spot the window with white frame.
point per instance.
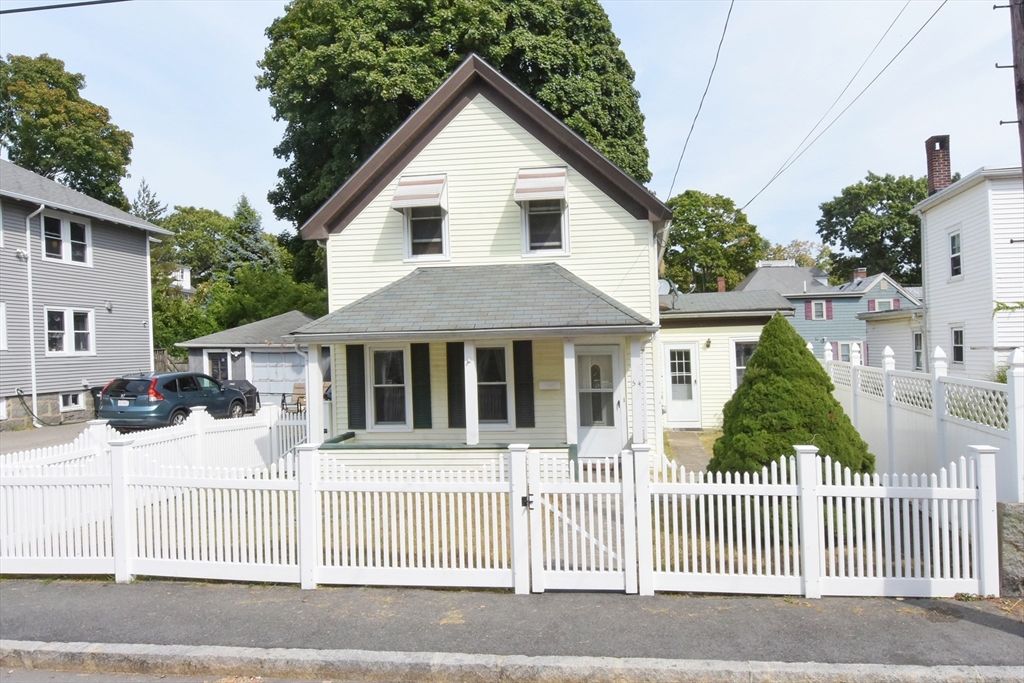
(955, 256)
(957, 343)
(390, 388)
(492, 386)
(71, 401)
(544, 226)
(918, 350)
(67, 238)
(422, 201)
(3, 326)
(846, 351)
(69, 332)
(818, 310)
(425, 230)
(883, 304)
(742, 351)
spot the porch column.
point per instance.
(569, 353)
(472, 410)
(638, 396)
(314, 395)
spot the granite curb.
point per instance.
(432, 667)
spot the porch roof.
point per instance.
(541, 299)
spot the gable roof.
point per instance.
(967, 182)
(785, 280)
(475, 77)
(724, 304)
(20, 183)
(267, 332)
(482, 300)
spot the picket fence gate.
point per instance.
(526, 521)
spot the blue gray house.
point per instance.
(75, 304)
(827, 314)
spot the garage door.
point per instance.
(275, 373)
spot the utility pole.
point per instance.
(1017, 38)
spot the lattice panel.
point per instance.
(912, 391)
(871, 381)
(841, 375)
(984, 406)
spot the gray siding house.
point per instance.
(75, 303)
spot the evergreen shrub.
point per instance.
(785, 399)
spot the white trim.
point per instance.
(3, 407)
(571, 408)
(914, 351)
(564, 250)
(3, 326)
(953, 329)
(141, 225)
(510, 399)
(469, 380)
(878, 302)
(371, 404)
(408, 256)
(65, 232)
(732, 357)
(78, 403)
(950, 233)
(69, 335)
(824, 310)
(208, 370)
(694, 347)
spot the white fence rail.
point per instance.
(918, 422)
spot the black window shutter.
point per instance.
(456, 385)
(355, 364)
(421, 417)
(522, 365)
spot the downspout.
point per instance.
(31, 313)
(661, 237)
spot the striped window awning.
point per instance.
(421, 190)
(540, 183)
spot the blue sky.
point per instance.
(180, 75)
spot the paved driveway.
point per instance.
(21, 440)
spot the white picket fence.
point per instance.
(918, 422)
(525, 520)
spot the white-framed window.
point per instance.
(918, 342)
(426, 233)
(71, 401)
(956, 341)
(69, 332)
(493, 388)
(217, 364)
(956, 266)
(545, 227)
(67, 238)
(818, 310)
(390, 388)
(883, 304)
(846, 351)
(3, 326)
(742, 350)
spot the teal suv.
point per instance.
(166, 398)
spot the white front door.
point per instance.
(602, 423)
(681, 390)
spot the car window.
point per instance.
(186, 384)
(171, 385)
(207, 383)
(128, 386)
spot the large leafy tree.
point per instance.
(47, 127)
(806, 253)
(199, 238)
(871, 221)
(710, 237)
(260, 293)
(343, 74)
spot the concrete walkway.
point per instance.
(24, 439)
(352, 632)
(687, 450)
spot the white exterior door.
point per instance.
(681, 391)
(599, 386)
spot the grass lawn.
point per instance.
(708, 438)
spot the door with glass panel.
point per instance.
(599, 386)
(682, 393)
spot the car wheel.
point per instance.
(236, 410)
(178, 417)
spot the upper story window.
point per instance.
(69, 332)
(957, 342)
(883, 304)
(541, 192)
(818, 310)
(67, 238)
(955, 256)
(423, 201)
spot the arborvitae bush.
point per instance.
(785, 399)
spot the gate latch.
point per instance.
(527, 501)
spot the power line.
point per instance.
(706, 88)
(831, 107)
(39, 8)
(845, 109)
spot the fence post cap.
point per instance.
(123, 441)
(97, 423)
(307, 447)
(938, 354)
(806, 449)
(810, 347)
(518, 447)
(198, 409)
(983, 449)
(888, 352)
(1016, 359)
(642, 447)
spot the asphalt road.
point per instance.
(832, 630)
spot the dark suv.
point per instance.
(166, 398)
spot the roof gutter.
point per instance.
(31, 313)
(668, 315)
(85, 212)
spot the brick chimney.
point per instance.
(721, 283)
(939, 173)
(858, 274)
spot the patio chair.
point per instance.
(296, 401)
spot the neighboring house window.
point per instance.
(544, 222)
(67, 239)
(69, 332)
(955, 256)
(743, 350)
(957, 342)
(883, 304)
(818, 309)
(72, 401)
(919, 351)
(3, 326)
(422, 201)
(389, 389)
(492, 386)
(844, 351)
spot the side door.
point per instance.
(599, 386)
(682, 393)
(188, 392)
(213, 395)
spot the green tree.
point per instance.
(871, 221)
(344, 74)
(806, 253)
(785, 399)
(199, 236)
(47, 127)
(260, 293)
(146, 206)
(248, 243)
(177, 319)
(709, 238)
